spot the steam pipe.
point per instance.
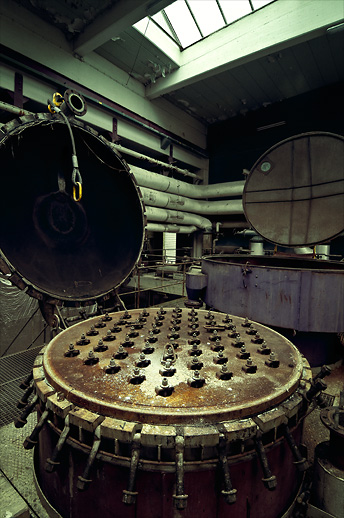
(155, 198)
(14, 109)
(175, 216)
(171, 185)
(19, 111)
(178, 229)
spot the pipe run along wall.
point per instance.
(155, 198)
(175, 216)
(165, 227)
(171, 185)
(166, 201)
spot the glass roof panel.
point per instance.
(183, 23)
(188, 21)
(257, 4)
(208, 15)
(160, 19)
(235, 9)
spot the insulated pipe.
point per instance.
(154, 161)
(155, 198)
(175, 216)
(13, 109)
(20, 111)
(165, 184)
(178, 229)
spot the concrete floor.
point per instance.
(16, 463)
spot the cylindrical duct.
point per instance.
(165, 184)
(156, 198)
(179, 229)
(175, 216)
(62, 248)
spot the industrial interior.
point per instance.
(172, 259)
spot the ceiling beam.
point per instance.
(111, 23)
(278, 25)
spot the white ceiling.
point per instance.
(307, 57)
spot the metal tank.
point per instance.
(293, 196)
(161, 413)
(169, 412)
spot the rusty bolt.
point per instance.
(249, 362)
(164, 382)
(272, 356)
(224, 368)
(91, 354)
(112, 362)
(71, 347)
(243, 349)
(142, 356)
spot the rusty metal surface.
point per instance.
(244, 394)
(305, 295)
(294, 194)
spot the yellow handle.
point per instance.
(75, 197)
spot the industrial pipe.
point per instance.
(155, 198)
(13, 109)
(154, 161)
(165, 184)
(19, 111)
(178, 229)
(175, 216)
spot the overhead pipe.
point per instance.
(14, 109)
(155, 198)
(178, 229)
(175, 216)
(170, 167)
(171, 185)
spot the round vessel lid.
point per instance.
(294, 194)
(165, 366)
(53, 245)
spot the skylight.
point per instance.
(188, 21)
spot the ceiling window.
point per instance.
(188, 21)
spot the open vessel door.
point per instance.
(294, 194)
(59, 247)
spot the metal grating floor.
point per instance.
(14, 368)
